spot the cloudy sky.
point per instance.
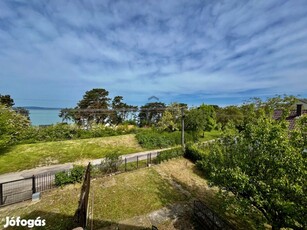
(217, 52)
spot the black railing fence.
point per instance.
(15, 191)
(12, 192)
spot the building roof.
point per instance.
(303, 100)
(291, 118)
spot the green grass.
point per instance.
(26, 156)
(210, 135)
(115, 198)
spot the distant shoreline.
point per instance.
(39, 108)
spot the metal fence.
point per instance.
(12, 192)
(207, 219)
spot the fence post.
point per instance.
(125, 164)
(1, 194)
(137, 162)
(150, 158)
(33, 184)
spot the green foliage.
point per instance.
(6, 100)
(171, 119)
(199, 119)
(151, 113)
(169, 154)
(152, 139)
(264, 166)
(111, 163)
(230, 114)
(193, 152)
(119, 115)
(64, 131)
(12, 126)
(75, 175)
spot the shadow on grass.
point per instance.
(6, 150)
(56, 221)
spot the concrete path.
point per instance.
(62, 167)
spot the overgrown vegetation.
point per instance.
(153, 139)
(73, 176)
(262, 164)
(60, 132)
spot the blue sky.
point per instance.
(217, 52)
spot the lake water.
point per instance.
(44, 117)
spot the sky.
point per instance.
(216, 52)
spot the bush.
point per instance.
(111, 163)
(63, 131)
(152, 139)
(194, 153)
(62, 178)
(70, 177)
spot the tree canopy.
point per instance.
(12, 126)
(151, 113)
(6, 100)
(265, 166)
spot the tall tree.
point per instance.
(6, 100)
(121, 110)
(87, 109)
(151, 113)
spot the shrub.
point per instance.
(111, 163)
(62, 178)
(75, 175)
(153, 139)
(194, 153)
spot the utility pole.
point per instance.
(182, 129)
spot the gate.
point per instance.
(16, 191)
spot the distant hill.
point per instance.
(39, 108)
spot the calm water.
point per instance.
(44, 117)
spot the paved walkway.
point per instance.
(61, 167)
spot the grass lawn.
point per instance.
(115, 198)
(121, 198)
(26, 156)
(210, 135)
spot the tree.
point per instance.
(24, 112)
(151, 113)
(6, 100)
(12, 126)
(87, 109)
(264, 166)
(121, 110)
(199, 119)
(229, 114)
(171, 119)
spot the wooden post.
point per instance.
(1, 194)
(125, 164)
(182, 129)
(33, 185)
